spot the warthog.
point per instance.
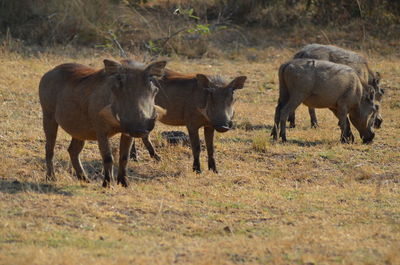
(323, 84)
(196, 101)
(92, 104)
(341, 56)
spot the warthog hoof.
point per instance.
(347, 139)
(283, 136)
(134, 156)
(122, 180)
(212, 166)
(274, 133)
(314, 125)
(196, 168)
(83, 178)
(51, 177)
(292, 125)
(106, 184)
(157, 157)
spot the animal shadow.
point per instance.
(16, 186)
(306, 143)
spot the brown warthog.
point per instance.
(196, 101)
(323, 84)
(342, 56)
(92, 104)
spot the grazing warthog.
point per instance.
(196, 101)
(341, 56)
(323, 84)
(92, 104)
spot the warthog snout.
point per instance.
(368, 139)
(224, 128)
(138, 133)
(136, 130)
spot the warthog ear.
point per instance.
(376, 79)
(111, 67)
(203, 84)
(238, 82)
(156, 68)
(107, 114)
(203, 81)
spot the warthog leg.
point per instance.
(74, 150)
(344, 124)
(133, 153)
(150, 148)
(274, 132)
(313, 117)
(50, 127)
(124, 149)
(105, 151)
(209, 137)
(292, 120)
(287, 109)
(348, 133)
(378, 120)
(195, 144)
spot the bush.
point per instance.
(192, 28)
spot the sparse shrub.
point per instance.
(261, 142)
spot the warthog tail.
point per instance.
(283, 89)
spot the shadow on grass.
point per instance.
(303, 143)
(94, 172)
(15, 186)
(134, 176)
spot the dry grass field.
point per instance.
(309, 201)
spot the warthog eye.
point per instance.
(119, 80)
(154, 84)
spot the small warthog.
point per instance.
(342, 56)
(323, 84)
(196, 101)
(92, 104)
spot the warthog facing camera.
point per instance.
(92, 104)
(196, 101)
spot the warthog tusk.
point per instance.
(160, 112)
(106, 114)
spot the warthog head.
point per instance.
(363, 118)
(133, 92)
(374, 80)
(216, 100)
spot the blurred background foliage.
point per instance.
(198, 28)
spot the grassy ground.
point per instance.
(309, 201)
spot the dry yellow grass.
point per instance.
(309, 201)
